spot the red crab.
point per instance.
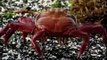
(53, 23)
(24, 24)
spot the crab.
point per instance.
(53, 23)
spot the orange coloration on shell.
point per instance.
(55, 21)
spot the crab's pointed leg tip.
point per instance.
(0, 30)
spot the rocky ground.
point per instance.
(16, 50)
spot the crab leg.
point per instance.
(24, 35)
(78, 33)
(35, 45)
(4, 30)
(99, 29)
(95, 28)
(7, 35)
(103, 32)
(62, 40)
(11, 27)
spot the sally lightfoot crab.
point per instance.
(53, 23)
